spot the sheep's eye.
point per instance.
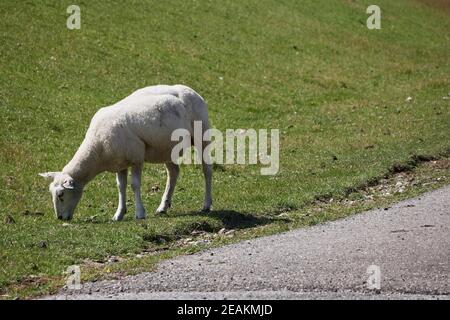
(60, 197)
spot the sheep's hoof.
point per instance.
(141, 215)
(163, 208)
(118, 216)
(206, 210)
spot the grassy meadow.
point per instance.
(336, 90)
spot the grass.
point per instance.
(312, 69)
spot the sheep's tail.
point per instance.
(196, 105)
(198, 108)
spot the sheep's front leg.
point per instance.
(173, 170)
(136, 173)
(122, 186)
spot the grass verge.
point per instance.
(424, 175)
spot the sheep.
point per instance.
(127, 134)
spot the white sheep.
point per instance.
(135, 130)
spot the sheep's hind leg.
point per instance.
(173, 170)
(136, 173)
(207, 172)
(122, 186)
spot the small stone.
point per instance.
(409, 99)
(113, 259)
(43, 244)
(197, 233)
(230, 232)
(200, 242)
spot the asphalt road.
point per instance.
(409, 243)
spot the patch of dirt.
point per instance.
(32, 213)
(9, 219)
(30, 281)
(9, 180)
(89, 263)
(204, 238)
(442, 164)
(401, 179)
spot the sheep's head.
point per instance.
(66, 193)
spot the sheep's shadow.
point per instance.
(230, 219)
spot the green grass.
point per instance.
(312, 69)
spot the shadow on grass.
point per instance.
(210, 222)
(230, 219)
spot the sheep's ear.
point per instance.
(49, 175)
(68, 184)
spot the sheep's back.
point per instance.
(140, 128)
